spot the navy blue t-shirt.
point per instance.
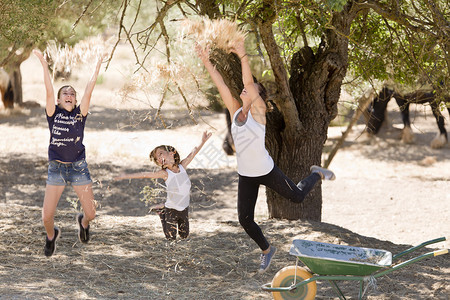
(66, 135)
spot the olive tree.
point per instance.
(309, 49)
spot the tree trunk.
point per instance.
(304, 104)
(12, 67)
(315, 83)
(294, 155)
(16, 82)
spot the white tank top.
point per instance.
(253, 160)
(178, 189)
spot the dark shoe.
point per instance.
(324, 173)
(83, 233)
(266, 259)
(50, 246)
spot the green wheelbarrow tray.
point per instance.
(331, 259)
(334, 263)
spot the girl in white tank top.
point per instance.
(174, 212)
(253, 159)
(255, 166)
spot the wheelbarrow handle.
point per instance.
(441, 239)
(268, 288)
(440, 252)
(412, 260)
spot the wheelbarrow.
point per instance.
(334, 263)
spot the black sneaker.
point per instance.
(83, 233)
(50, 246)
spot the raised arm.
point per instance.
(86, 100)
(231, 103)
(50, 93)
(158, 174)
(257, 104)
(185, 162)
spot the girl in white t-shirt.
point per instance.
(174, 212)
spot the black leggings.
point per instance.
(276, 180)
(171, 219)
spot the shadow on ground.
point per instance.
(128, 256)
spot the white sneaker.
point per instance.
(324, 173)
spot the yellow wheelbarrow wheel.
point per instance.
(285, 277)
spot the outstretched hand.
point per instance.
(37, 52)
(202, 52)
(239, 48)
(39, 55)
(206, 136)
(102, 58)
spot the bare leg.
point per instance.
(86, 196)
(51, 199)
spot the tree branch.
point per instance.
(121, 26)
(396, 16)
(284, 99)
(82, 14)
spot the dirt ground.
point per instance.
(387, 195)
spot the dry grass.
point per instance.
(156, 75)
(221, 34)
(128, 257)
(63, 58)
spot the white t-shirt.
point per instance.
(178, 189)
(249, 139)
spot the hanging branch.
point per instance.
(82, 14)
(121, 26)
(161, 102)
(153, 47)
(186, 102)
(364, 102)
(397, 16)
(166, 39)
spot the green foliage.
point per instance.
(384, 49)
(335, 5)
(23, 23)
(29, 24)
(74, 203)
(153, 194)
(22, 20)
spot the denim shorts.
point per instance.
(76, 173)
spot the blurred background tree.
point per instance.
(25, 25)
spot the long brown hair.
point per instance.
(167, 148)
(66, 86)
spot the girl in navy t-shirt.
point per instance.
(66, 155)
